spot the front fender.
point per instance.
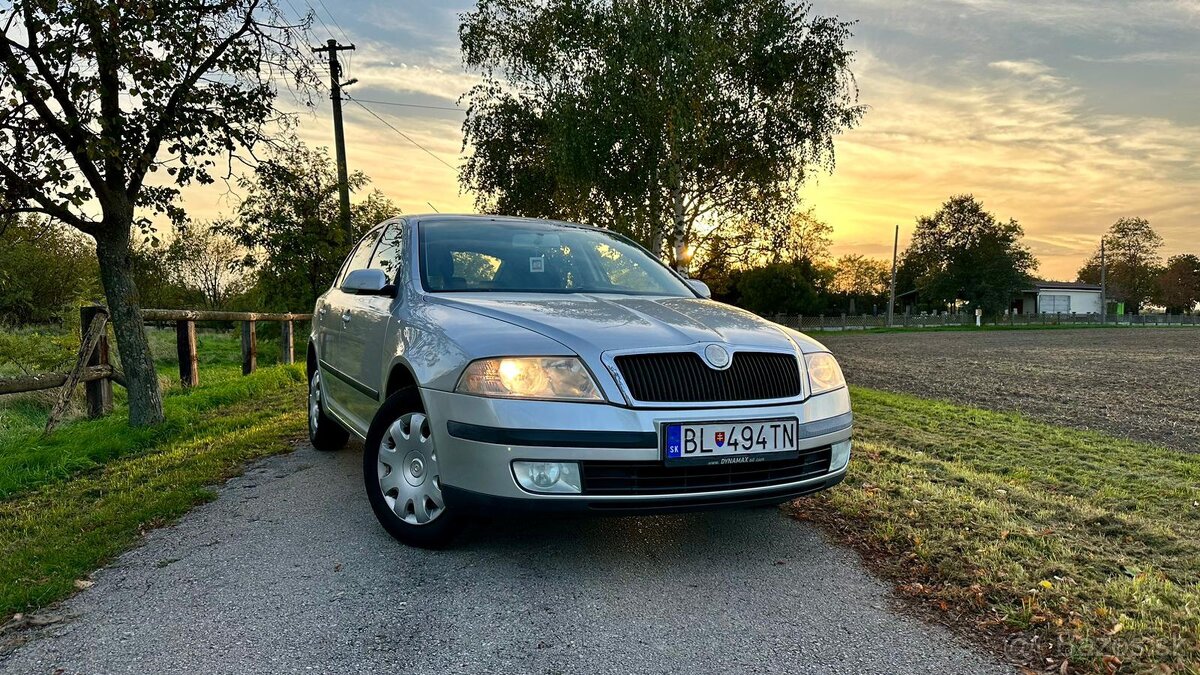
(436, 343)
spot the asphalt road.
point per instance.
(288, 572)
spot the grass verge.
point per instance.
(28, 459)
(1071, 546)
(75, 500)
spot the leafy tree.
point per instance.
(46, 270)
(1179, 284)
(1134, 262)
(779, 288)
(285, 224)
(103, 93)
(859, 275)
(208, 262)
(156, 278)
(861, 281)
(798, 237)
(962, 253)
(652, 117)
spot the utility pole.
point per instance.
(339, 135)
(892, 297)
(1103, 284)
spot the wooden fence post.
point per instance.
(185, 344)
(99, 392)
(249, 347)
(287, 348)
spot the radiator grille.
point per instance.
(684, 377)
(655, 478)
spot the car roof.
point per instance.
(474, 217)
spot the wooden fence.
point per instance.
(93, 369)
(185, 336)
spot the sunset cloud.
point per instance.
(1064, 115)
(1025, 142)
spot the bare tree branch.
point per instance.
(154, 136)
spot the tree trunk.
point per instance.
(679, 228)
(113, 252)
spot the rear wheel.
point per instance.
(400, 471)
(324, 433)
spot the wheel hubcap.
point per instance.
(408, 470)
(314, 402)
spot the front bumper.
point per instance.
(478, 439)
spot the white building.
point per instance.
(1060, 297)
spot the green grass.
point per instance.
(69, 526)
(71, 501)
(1089, 543)
(28, 459)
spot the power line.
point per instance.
(308, 35)
(317, 16)
(406, 136)
(333, 19)
(307, 25)
(413, 105)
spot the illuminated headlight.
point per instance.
(541, 377)
(840, 455)
(824, 373)
(548, 477)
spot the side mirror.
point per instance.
(700, 287)
(368, 282)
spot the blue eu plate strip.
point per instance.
(674, 447)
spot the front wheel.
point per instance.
(400, 471)
(324, 433)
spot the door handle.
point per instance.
(345, 317)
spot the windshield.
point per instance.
(480, 255)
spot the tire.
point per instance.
(324, 432)
(400, 473)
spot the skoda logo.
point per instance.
(717, 356)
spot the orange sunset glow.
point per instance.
(1064, 116)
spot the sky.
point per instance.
(1065, 115)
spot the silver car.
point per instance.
(496, 364)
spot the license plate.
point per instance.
(731, 442)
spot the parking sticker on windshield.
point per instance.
(537, 264)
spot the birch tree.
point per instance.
(652, 116)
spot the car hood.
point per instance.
(593, 324)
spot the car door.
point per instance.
(365, 333)
(336, 350)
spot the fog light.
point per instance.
(841, 455)
(548, 477)
(545, 474)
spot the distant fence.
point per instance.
(185, 336)
(839, 322)
(92, 366)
